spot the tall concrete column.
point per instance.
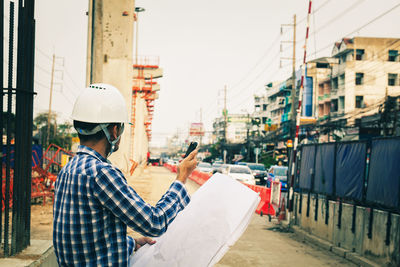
(110, 57)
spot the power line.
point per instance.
(42, 84)
(44, 54)
(72, 80)
(315, 11)
(363, 26)
(43, 69)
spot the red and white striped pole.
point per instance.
(298, 114)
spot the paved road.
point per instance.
(263, 244)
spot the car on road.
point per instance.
(216, 165)
(278, 173)
(240, 173)
(204, 167)
(259, 172)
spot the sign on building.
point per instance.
(271, 127)
(196, 129)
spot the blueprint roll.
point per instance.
(218, 214)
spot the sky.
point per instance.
(203, 46)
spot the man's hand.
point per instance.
(186, 167)
(141, 241)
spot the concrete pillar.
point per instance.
(110, 57)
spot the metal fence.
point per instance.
(16, 76)
(365, 173)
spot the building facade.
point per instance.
(237, 128)
(367, 70)
(352, 83)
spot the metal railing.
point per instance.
(16, 124)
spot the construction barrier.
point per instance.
(42, 178)
(265, 206)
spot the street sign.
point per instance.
(257, 150)
(196, 129)
(271, 127)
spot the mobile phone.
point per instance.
(191, 147)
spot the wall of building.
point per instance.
(374, 65)
(354, 238)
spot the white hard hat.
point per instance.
(100, 103)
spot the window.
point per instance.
(341, 103)
(359, 101)
(359, 78)
(360, 54)
(393, 55)
(392, 79)
(334, 105)
(264, 107)
(335, 83)
(342, 79)
(322, 65)
(264, 120)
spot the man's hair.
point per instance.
(89, 126)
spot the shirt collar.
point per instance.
(87, 150)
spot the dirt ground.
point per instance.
(262, 244)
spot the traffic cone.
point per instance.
(282, 212)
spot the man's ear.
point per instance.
(114, 132)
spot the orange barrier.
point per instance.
(264, 207)
(172, 168)
(199, 177)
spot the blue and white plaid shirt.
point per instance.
(93, 206)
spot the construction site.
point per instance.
(337, 204)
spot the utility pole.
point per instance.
(202, 128)
(293, 58)
(225, 115)
(293, 119)
(248, 136)
(51, 96)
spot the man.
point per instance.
(93, 203)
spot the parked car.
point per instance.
(215, 166)
(204, 167)
(259, 172)
(278, 173)
(240, 173)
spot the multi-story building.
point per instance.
(274, 109)
(352, 83)
(318, 70)
(236, 129)
(367, 70)
(260, 108)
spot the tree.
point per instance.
(267, 159)
(59, 135)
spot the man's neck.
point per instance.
(99, 146)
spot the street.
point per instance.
(262, 244)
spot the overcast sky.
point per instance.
(203, 46)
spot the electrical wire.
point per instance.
(363, 26)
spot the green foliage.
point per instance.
(59, 134)
(267, 159)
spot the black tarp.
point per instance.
(350, 165)
(324, 164)
(306, 166)
(384, 173)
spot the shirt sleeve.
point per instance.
(113, 192)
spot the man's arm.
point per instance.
(113, 192)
